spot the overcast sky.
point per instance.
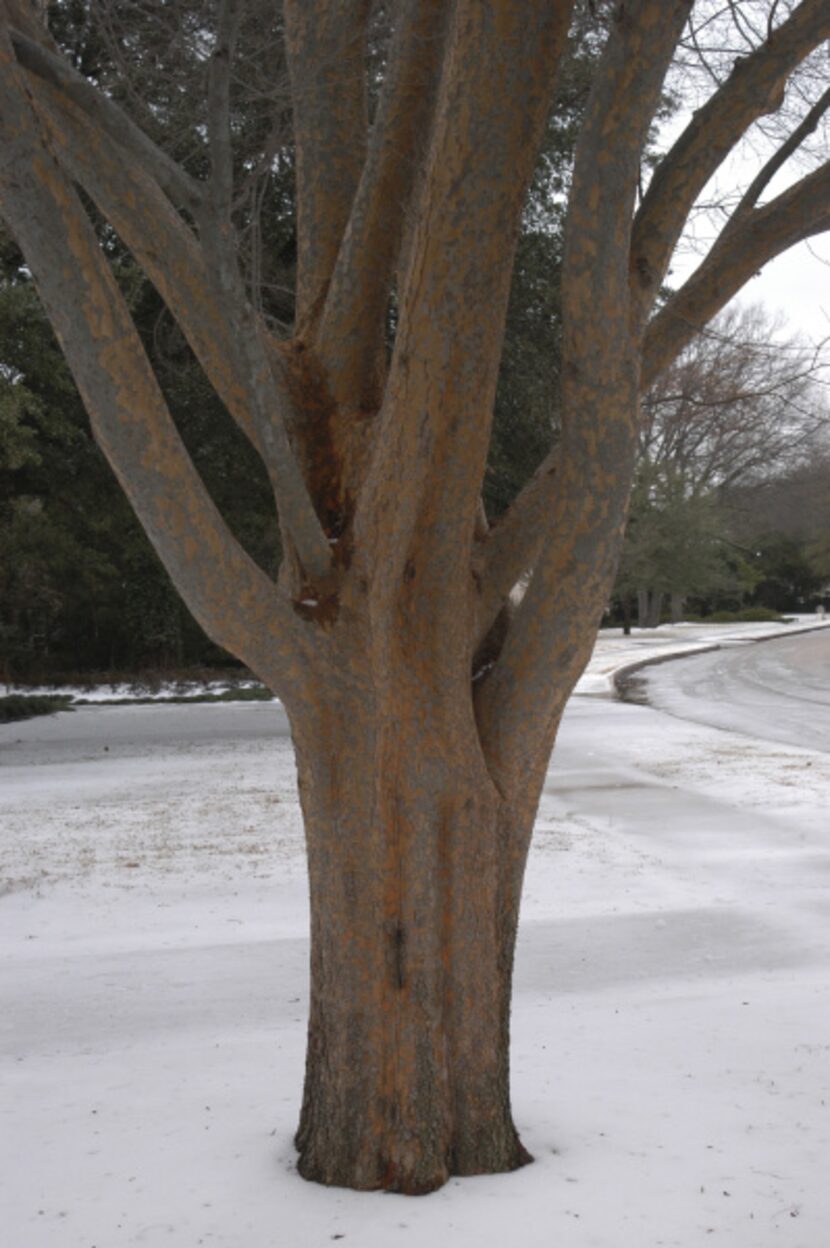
(798, 284)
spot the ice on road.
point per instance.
(778, 690)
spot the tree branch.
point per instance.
(350, 338)
(759, 184)
(230, 596)
(326, 47)
(520, 702)
(268, 395)
(158, 238)
(511, 547)
(755, 87)
(422, 493)
(219, 110)
(207, 299)
(798, 213)
(183, 190)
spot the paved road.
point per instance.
(129, 731)
(778, 690)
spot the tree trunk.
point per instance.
(678, 602)
(649, 607)
(415, 872)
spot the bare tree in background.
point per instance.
(419, 771)
(740, 403)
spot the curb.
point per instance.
(627, 687)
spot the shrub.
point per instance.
(746, 615)
(25, 706)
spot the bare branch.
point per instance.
(183, 190)
(755, 87)
(523, 697)
(798, 213)
(499, 75)
(759, 184)
(170, 255)
(268, 394)
(512, 546)
(219, 109)
(158, 238)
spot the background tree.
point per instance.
(784, 519)
(676, 547)
(419, 776)
(741, 406)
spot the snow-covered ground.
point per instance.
(671, 1028)
(613, 652)
(136, 691)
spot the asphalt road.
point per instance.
(778, 690)
(129, 731)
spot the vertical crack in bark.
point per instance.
(399, 954)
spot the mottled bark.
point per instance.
(423, 710)
(326, 47)
(231, 597)
(520, 704)
(350, 339)
(415, 865)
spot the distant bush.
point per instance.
(25, 706)
(761, 615)
(747, 615)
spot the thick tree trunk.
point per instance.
(415, 874)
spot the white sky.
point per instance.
(797, 284)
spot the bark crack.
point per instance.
(399, 947)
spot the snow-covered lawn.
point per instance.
(671, 1033)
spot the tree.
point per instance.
(674, 546)
(785, 521)
(419, 776)
(739, 406)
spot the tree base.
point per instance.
(419, 1179)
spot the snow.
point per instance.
(123, 691)
(671, 1025)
